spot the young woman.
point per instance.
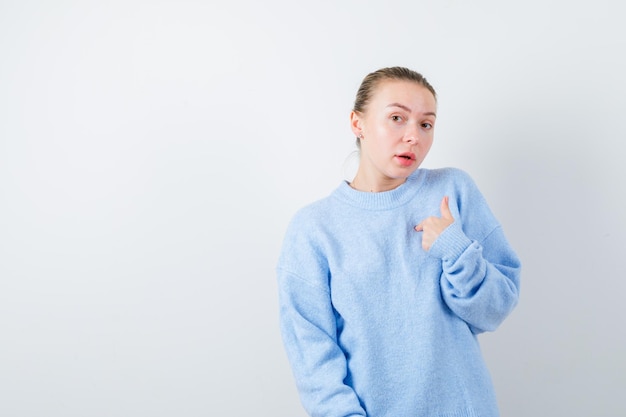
(385, 284)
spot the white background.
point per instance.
(152, 153)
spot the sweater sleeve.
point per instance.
(309, 330)
(480, 280)
(481, 272)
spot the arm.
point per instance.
(308, 328)
(308, 323)
(480, 280)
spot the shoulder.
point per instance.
(452, 179)
(302, 251)
(311, 213)
(449, 174)
(308, 223)
(463, 190)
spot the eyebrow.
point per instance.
(402, 106)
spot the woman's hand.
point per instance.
(433, 226)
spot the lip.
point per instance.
(405, 159)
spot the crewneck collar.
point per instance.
(384, 200)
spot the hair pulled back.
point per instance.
(371, 81)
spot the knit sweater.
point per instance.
(375, 326)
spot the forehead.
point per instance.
(402, 91)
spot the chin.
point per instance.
(404, 173)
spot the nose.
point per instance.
(411, 135)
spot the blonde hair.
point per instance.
(371, 81)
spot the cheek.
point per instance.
(425, 146)
(386, 128)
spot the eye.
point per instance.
(427, 125)
(396, 118)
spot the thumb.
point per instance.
(445, 209)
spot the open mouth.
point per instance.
(406, 159)
(407, 156)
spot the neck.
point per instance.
(361, 182)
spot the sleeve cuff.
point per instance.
(450, 244)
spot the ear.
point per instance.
(356, 124)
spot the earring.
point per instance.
(360, 135)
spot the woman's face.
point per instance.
(397, 127)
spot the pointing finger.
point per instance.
(445, 209)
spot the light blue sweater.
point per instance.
(375, 326)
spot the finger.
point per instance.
(419, 228)
(445, 208)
